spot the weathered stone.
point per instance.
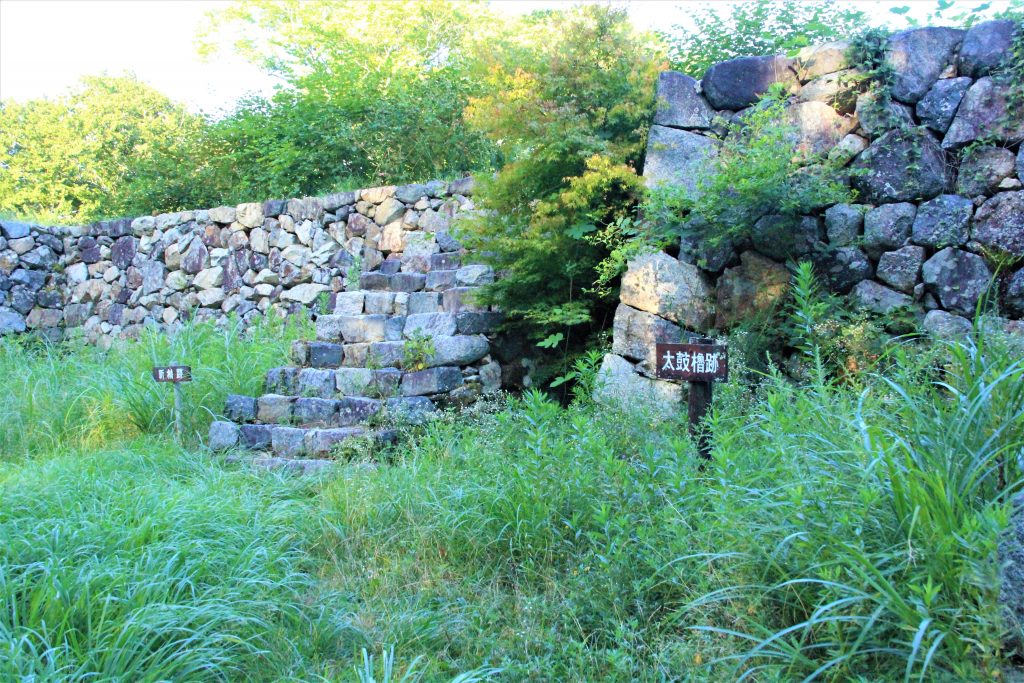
(362, 328)
(936, 109)
(754, 286)
(414, 410)
(782, 237)
(239, 408)
(837, 90)
(389, 210)
(463, 186)
(901, 268)
(430, 324)
(21, 245)
(337, 200)
(324, 441)
(458, 350)
(282, 380)
(659, 284)
(14, 230)
(379, 302)
(418, 248)
(985, 46)
(407, 282)
(357, 410)
(325, 354)
(634, 334)
(983, 168)
(431, 381)
(349, 303)
(152, 276)
(256, 437)
(985, 113)
(999, 223)
(478, 322)
(1015, 293)
(223, 435)
(434, 222)
(958, 278)
(877, 298)
(918, 57)
(474, 276)
(880, 116)
(209, 278)
(316, 412)
(888, 227)
(818, 127)
(42, 257)
(458, 299)
(843, 224)
(945, 325)
(901, 166)
(288, 442)
(88, 250)
(676, 157)
(844, 267)
(11, 322)
(440, 280)
(305, 209)
(445, 261)
(210, 297)
(679, 104)
(274, 409)
(706, 254)
(315, 382)
(410, 194)
(943, 221)
(739, 83)
(818, 60)
(1020, 163)
(305, 293)
(620, 386)
(221, 214)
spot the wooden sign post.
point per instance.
(701, 363)
(176, 374)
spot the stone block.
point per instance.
(223, 435)
(679, 104)
(958, 278)
(918, 57)
(621, 387)
(879, 299)
(660, 284)
(357, 410)
(739, 83)
(431, 381)
(240, 409)
(288, 442)
(676, 157)
(943, 222)
(325, 355)
(430, 324)
(888, 227)
(316, 412)
(999, 223)
(478, 322)
(635, 333)
(901, 269)
(901, 166)
(458, 350)
(315, 382)
(274, 409)
(324, 441)
(255, 437)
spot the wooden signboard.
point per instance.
(693, 362)
(173, 373)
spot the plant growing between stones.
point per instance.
(419, 348)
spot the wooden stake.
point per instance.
(698, 403)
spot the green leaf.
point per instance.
(551, 341)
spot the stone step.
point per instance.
(312, 412)
(381, 382)
(291, 442)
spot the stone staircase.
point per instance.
(401, 345)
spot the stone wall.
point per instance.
(110, 279)
(939, 173)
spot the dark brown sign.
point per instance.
(693, 362)
(173, 373)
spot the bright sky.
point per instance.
(46, 45)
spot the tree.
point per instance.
(107, 148)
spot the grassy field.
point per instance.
(844, 531)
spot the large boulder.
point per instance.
(985, 113)
(888, 227)
(877, 298)
(901, 166)
(738, 83)
(843, 224)
(819, 60)
(838, 90)
(986, 45)
(901, 269)
(936, 109)
(818, 127)
(754, 286)
(999, 223)
(635, 333)
(660, 284)
(918, 57)
(844, 267)
(943, 222)
(983, 169)
(958, 278)
(620, 386)
(679, 103)
(677, 157)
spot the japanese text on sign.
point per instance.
(173, 373)
(693, 362)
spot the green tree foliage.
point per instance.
(114, 145)
(569, 104)
(756, 27)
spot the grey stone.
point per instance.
(458, 299)
(393, 328)
(305, 209)
(324, 441)
(305, 294)
(410, 193)
(901, 166)
(958, 278)
(478, 322)
(1015, 293)
(88, 250)
(274, 409)
(288, 442)
(936, 109)
(22, 245)
(1020, 164)
(878, 117)
(888, 227)
(818, 127)
(239, 408)
(843, 224)
(620, 386)
(901, 269)
(942, 222)
(282, 380)
(209, 278)
(223, 435)
(463, 186)
(336, 200)
(696, 249)
(1011, 575)
(985, 113)
(220, 214)
(677, 157)
(753, 287)
(315, 382)
(431, 381)
(419, 247)
(361, 328)
(407, 282)
(999, 223)
(386, 354)
(440, 280)
(985, 46)
(256, 437)
(30, 279)
(122, 252)
(41, 257)
(918, 57)
(445, 261)
(424, 302)
(11, 322)
(739, 83)
(877, 298)
(430, 324)
(411, 409)
(635, 333)
(660, 284)
(325, 354)
(944, 325)
(474, 276)
(844, 267)
(13, 230)
(679, 104)
(389, 210)
(349, 303)
(983, 168)
(316, 412)
(152, 276)
(782, 237)
(458, 350)
(818, 60)
(837, 90)
(21, 300)
(357, 410)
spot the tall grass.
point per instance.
(71, 395)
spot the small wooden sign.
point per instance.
(693, 362)
(173, 373)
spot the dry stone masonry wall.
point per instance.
(938, 173)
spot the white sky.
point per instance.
(47, 45)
